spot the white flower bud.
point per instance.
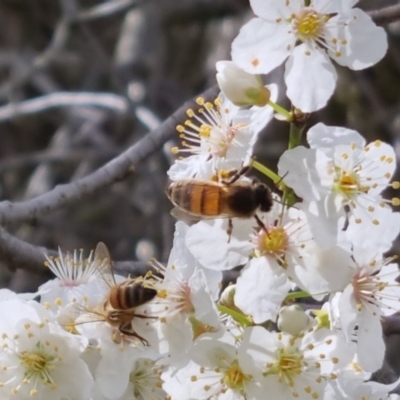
(227, 296)
(240, 87)
(293, 320)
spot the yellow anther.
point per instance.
(395, 201)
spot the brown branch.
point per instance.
(16, 253)
(385, 15)
(113, 171)
(64, 99)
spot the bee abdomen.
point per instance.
(197, 198)
(130, 294)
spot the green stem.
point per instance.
(289, 198)
(237, 316)
(296, 295)
(295, 136)
(266, 171)
(280, 110)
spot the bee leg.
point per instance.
(234, 177)
(230, 229)
(261, 224)
(145, 316)
(128, 331)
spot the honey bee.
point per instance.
(118, 307)
(227, 199)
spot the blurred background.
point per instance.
(133, 63)
(136, 62)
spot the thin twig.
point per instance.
(104, 9)
(113, 171)
(64, 99)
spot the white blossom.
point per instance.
(308, 36)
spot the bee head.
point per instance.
(263, 196)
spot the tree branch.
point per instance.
(62, 99)
(385, 15)
(113, 171)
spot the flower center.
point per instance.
(367, 288)
(144, 376)
(348, 184)
(309, 24)
(234, 377)
(275, 242)
(38, 364)
(288, 364)
(210, 130)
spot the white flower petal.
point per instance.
(369, 332)
(322, 136)
(271, 10)
(367, 43)
(310, 78)
(208, 242)
(260, 289)
(262, 46)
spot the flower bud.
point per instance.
(293, 320)
(240, 87)
(227, 297)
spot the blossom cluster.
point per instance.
(174, 334)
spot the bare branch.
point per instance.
(385, 15)
(104, 9)
(63, 99)
(16, 253)
(113, 171)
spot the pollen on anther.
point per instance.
(338, 54)
(375, 222)
(335, 360)
(255, 62)
(190, 113)
(193, 378)
(200, 101)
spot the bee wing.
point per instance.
(103, 264)
(184, 216)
